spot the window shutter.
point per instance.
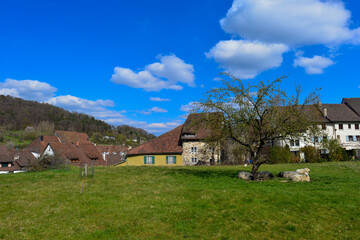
(354, 138)
(174, 159)
(347, 138)
(144, 159)
(167, 159)
(153, 159)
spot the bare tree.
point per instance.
(256, 115)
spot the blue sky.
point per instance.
(142, 63)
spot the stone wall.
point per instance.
(203, 154)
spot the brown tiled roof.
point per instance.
(114, 159)
(40, 143)
(90, 151)
(340, 113)
(167, 143)
(193, 126)
(72, 137)
(26, 158)
(68, 151)
(5, 155)
(353, 103)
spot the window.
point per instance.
(349, 126)
(194, 149)
(211, 149)
(323, 126)
(292, 143)
(74, 160)
(170, 159)
(358, 138)
(350, 138)
(149, 159)
(341, 126)
(316, 139)
(194, 160)
(357, 126)
(338, 137)
(5, 165)
(297, 143)
(324, 138)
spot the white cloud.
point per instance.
(157, 99)
(106, 103)
(165, 74)
(188, 107)
(291, 22)
(174, 69)
(27, 89)
(314, 65)
(154, 109)
(247, 59)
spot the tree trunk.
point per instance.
(255, 167)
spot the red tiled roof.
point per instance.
(5, 155)
(72, 137)
(25, 158)
(90, 151)
(40, 143)
(111, 148)
(68, 151)
(167, 143)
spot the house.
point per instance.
(7, 163)
(181, 146)
(73, 146)
(24, 159)
(337, 121)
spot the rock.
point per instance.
(287, 174)
(245, 176)
(303, 171)
(300, 178)
(263, 175)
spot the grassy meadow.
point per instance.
(181, 203)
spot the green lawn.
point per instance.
(181, 203)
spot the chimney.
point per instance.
(77, 143)
(325, 112)
(41, 138)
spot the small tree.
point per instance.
(256, 115)
(335, 152)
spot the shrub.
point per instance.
(49, 162)
(311, 154)
(335, 152)
(280, 155)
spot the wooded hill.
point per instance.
(17, 114)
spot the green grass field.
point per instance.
(181, 203)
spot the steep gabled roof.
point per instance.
(340, 113)
(68, 151)
(194, 129)
(90, 151)
(40, 143)
(72, 137)
(168, 143)
(353, 103)
(5, 155)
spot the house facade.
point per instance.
(338, 121)
(185, 145)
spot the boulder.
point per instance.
(263, 175)
(303, 171)
(287, 174)
(245, 176)
(300, 178)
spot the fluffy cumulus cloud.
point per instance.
(314, 65)
(247, 59)
(276, 26)
(291, 22)
(166, 74)
(157, 99)
(27, 89)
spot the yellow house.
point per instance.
(181, 146)
(165, 150)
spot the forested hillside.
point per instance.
(17, 114)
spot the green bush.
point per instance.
(335, 152)
(311, 154)
(280, 155)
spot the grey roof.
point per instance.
(340, 113)
(353, 103)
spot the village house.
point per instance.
(337, 121)
(7, 163)
(184, 145)
(113, 154)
